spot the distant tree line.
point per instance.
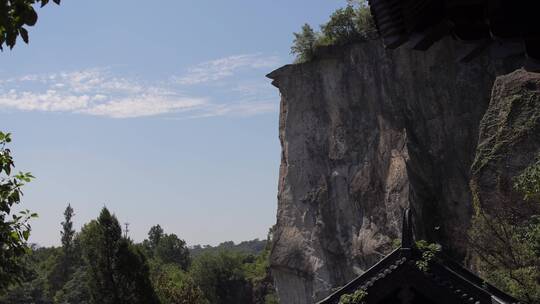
(253, 247)
(100, 265)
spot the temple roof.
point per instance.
(514, 26)
(398, 277)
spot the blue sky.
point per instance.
(157, 109)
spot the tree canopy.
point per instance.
(106, 267)
(346, 25)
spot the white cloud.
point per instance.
(146, 105)
(93, 92)
(50, 101)
(242, 109)
(225, 67)
(99, 92)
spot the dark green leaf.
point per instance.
(24, 34)
(30, 16)
(11, 39)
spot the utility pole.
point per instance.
(126, 230)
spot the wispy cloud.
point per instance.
(49, 101)
(145, 105)
(93, 92)
(225, 67)
(239, 109)
(100, 92)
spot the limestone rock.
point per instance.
(508, 143)
(365, 133)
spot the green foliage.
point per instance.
(342, 26)
(171, 249)
(221, 277)
(101, 239)
(14, 16)
(254, 247)
(31, 292)
(117, 271)
(174, 286)
(346, 25)
(356, 297)
(509, 254)
(429, 251)
(365, 24)
(154, 236)
(32, 288)
(528, 182)
(67, 231)
(258, 273)
(75, 290)
(64, 261)
(108, 268)
(304, 44)
(507, 246)
(14, 228)
(132, 276)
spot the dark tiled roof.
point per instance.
(445, 280)
(444, 273)
(420, 23)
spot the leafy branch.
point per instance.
(14, 16)
(14, 228)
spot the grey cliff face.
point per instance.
(365, 133)
(509, 142)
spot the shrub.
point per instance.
(342, 27)
(429, 251)
(304, 44)
(346, 25)
(356, 297)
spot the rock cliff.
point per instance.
(509, 141)
(365, 133)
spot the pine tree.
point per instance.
(154, 236)
(62, 270)
(118, 273)
(101, 238)
(67, 234)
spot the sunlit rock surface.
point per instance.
(366, 132)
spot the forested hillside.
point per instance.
(101, 264)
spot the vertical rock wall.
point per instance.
(509, 142)
(365, 133)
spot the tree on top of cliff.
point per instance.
(304, 43)
(14, 16)
(346, 25)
